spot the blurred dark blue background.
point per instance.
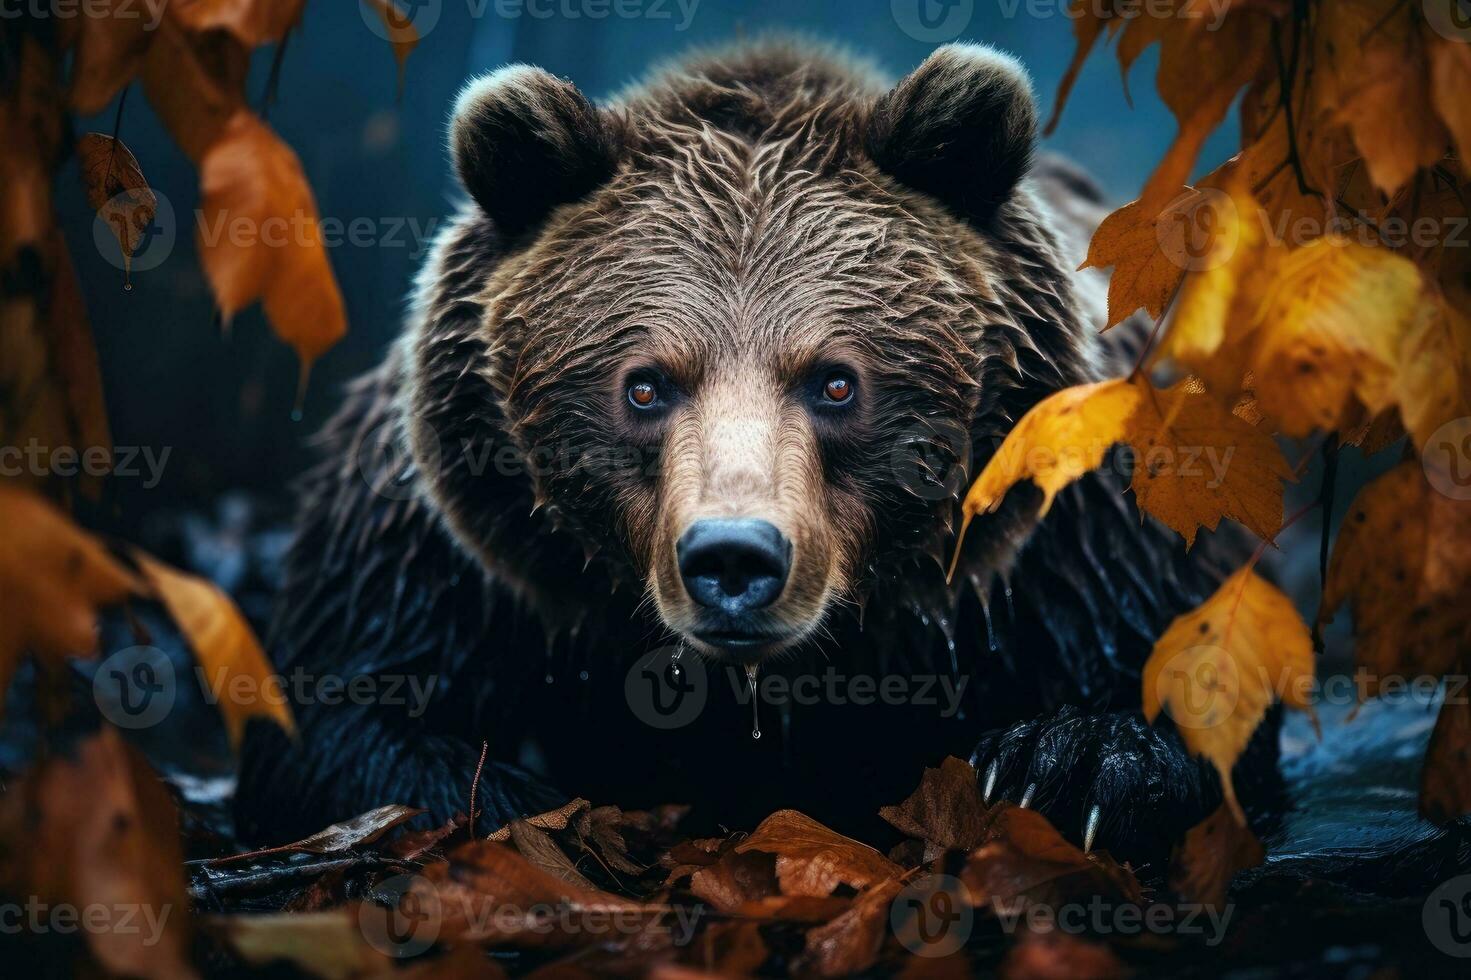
(222, 402)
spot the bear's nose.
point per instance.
(736, 566)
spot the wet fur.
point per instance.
(794, 180)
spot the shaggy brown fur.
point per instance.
(739, 225)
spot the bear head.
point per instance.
(751, 327)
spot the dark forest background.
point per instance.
(221, 402)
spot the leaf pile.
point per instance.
(1316, 286)
(601, 891)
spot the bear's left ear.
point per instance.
(960, 127)
(525, 141)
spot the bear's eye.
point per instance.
(838, 389)
(642, 394)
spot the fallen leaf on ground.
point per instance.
(813, 860)
(551, 820)
(362, 829)
(946, 811)
(851, 942)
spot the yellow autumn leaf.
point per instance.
(1197, 461)
(1220, 666)
(1063, 437)
(259, 238)
(234, 666)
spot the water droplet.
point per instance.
(549, 679)
(582, 675)
(127, 287)
(751, 672)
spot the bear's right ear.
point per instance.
(961, 127)
(525, 142)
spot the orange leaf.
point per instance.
(98, 830)
(400, 30)
(223, 644)
(1445, 780)
(259, 238)
(53, 578)
(253, 22)
(1219, 667)
(1197, 462)
(111, 41)
(1450, 81)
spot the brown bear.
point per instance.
(689, 398)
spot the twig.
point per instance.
(479, 767)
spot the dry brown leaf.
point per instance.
(551, 820)
(1201, 868)
(1197, 461)
(110, 44)
(116, 190)
(946, 811)
(1220, 666)
(851, 942)
(812, 859)
(195, 84)
(487, 893)
(401, 31)
(1026, 860)
(1145, 272)
(53, 579)
(259, 238)
(365, 828)
(736, 880)
(75, 368)
(240, 677)
(252, 22)
(99, 830)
